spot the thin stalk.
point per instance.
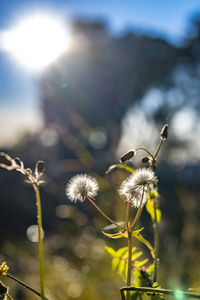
(139, 211)
(144, 149)
(127, 214)
(156, 243)
(158, 149)
(23, 284)
(40, 246)
(176, 294)
(103, 214)
(129, 271)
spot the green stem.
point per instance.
(144, 149)
(23, 284)
(158, 149)
(129, 271)
(127, 214)
(39, 219)
(156, 243)
(139, 211)
(176, 294)
(103, 214)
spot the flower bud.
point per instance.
(145, 159)
(164, 132)
(128, 155)
(39, 168)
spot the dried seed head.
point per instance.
(81, 186)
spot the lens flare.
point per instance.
(36, 41)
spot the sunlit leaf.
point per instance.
(114, 235)
(144, 241)
(120, 166)
(150, 269)
(141, 263)
(122, 267)
(152, 212)
(126, 254)
(122, 251)
(136, 255)
(115, 263)
(111, 251)
(151, 199)
(156, 285)
(136, 277)
(121, 234)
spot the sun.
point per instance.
(36, 41)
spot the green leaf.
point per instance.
(141, 263)
(122, 267)
(111, 251)
(150, 210)
(118, 262)
(136, 277)
(117, 235)
(151, 201)
(120, 259)
(144, 241)
(115, 263)
(136, 255)
(121, 234)
(120, 166)
(156, 285)
(125, 256)
(122, 251)
(150, 269)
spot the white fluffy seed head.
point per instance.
(134, 195)
(134, 188)
(81, 186)
(142, 178)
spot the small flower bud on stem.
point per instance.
(127, 156)
(164, 132)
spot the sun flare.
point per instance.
(36, 41)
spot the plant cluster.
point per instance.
(139, 190)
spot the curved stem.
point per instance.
(103, 214)
(144, 149)
(39, 219)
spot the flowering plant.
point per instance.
(138, 189)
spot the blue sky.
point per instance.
(169, 19)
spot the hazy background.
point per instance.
(133, 66)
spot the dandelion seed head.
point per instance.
(80, 186)
(142, 177)
(134, 188)
(133, 194)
